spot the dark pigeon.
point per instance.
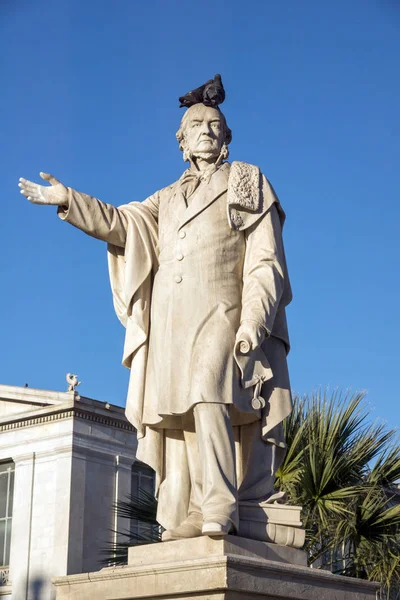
(211, 93)
(214, 92)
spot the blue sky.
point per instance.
(89, 94)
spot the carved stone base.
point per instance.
(278, 523)
(202, 568)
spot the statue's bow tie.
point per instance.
(191, 179)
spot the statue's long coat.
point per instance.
(183, 279)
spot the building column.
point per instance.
(22, 525)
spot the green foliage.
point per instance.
(351, 511)
(139, 512)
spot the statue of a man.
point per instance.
(199, 280)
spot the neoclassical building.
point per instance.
(64, 462)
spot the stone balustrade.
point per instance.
(4, 575)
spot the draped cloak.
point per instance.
(132, 271)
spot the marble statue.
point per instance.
(73, 382)
(199, 280)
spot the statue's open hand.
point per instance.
(56, 194)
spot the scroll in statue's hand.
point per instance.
(56, 194)
(249, 337)
(251, 360)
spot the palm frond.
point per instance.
(140, 511)
(142, 507)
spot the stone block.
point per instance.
(277, 523)
(213, 569)
(204, 546)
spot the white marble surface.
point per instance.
(206, 546)
(216, 570)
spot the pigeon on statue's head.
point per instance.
(214, 93)
(211, 93)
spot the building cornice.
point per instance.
(70, 410)
(103, 419)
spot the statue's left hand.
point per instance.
(56, 194)
(251, 332)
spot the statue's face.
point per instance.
(204, 132)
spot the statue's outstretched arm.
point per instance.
(94, 217)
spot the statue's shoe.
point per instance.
(190, 528)
(217, 528)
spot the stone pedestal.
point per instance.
(232, 568)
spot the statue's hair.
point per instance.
(180, 134)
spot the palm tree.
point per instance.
(351, 511)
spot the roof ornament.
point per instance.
(72, 381)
